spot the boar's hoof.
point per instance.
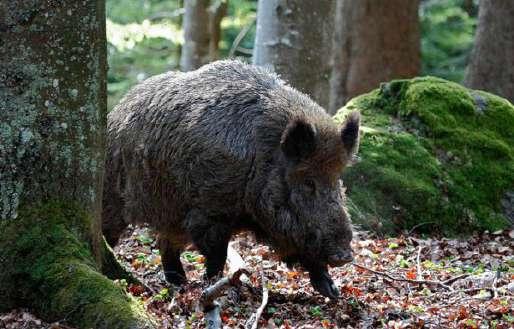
(324, 285)
(175, 278)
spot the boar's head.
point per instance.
(305, 197)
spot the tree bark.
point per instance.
(52, 125)
(374, 41)
(294, 39)
(195, 51)
(217, 11)
(491, 67)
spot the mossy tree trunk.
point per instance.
(295, 38)
(491, 67)
(52, 123)
(374, 41)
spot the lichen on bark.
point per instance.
(52, 127)
(49, 76)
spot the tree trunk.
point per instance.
(52, 125)
(491, 67)
(217, 11)
(195, 51)
(374, 41)
(294, 38)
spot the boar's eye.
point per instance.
(310, 185)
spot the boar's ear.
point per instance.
(350, 133)
(298, 140)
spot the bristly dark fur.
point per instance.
(228, 147)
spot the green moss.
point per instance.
(48, 266)
(432, 152)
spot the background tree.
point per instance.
(491, 67)
(374, 41)
(195, 51)
(202, 32)
(52, 122)
(217, 11)
(294, 38)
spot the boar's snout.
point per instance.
(341, 257)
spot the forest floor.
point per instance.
(404, 282)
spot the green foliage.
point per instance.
(144, 39)
(241, 13)
(447, 35)
(433, 152)
(130, 11)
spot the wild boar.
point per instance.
(230, 147)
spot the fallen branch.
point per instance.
(445, 284)
(207, 300)
(253, 321)
(214, 291)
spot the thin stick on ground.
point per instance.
(418, 264)
(253, 321)
(444, 284)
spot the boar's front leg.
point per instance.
(170, 256)
(322, 282)
(211, 236)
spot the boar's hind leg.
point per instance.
(211, 237)
(170, 256)
(113, 223)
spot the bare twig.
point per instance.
(418, 265)
(495, 281)
(455, 278)
(167, 14)
(240, 38)
(253, 321)
(418, 225)
(444, 284)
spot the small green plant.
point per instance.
(191, 257)
(163, 295)
(145, 239)
(316, 311)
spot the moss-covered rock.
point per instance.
(47, 265)
(433, 154)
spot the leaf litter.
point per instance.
(380, 293)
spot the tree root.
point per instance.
(48, 266)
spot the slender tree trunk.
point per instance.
(217, 11)
(195, 51)
(374, 41)
(294, 38)
(491, 67)
(52, 122)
